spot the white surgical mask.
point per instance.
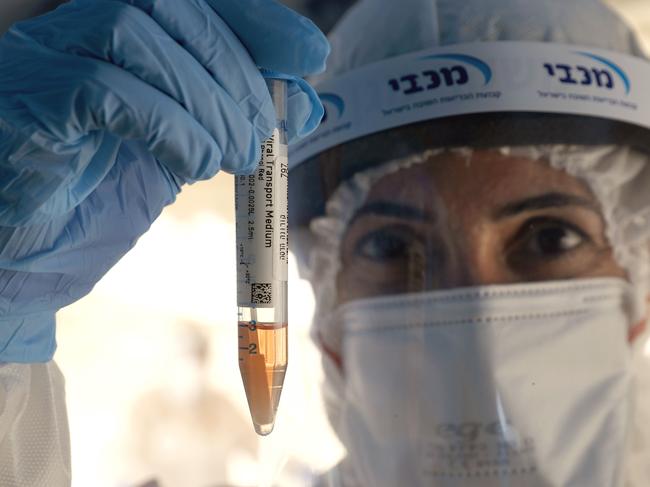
(520, 386)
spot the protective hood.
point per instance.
(394, 28)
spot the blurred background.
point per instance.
(153, 385)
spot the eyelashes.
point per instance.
(387, 243)
(387, 256)
(539, 238)
(548, 238)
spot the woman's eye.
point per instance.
(383, 245)
(550, 238)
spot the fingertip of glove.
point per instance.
(317, 49)
(265, 124)
(255, 155)
(309, 44)
(252, 161)
(306, 110)
(276, 36)
(306, 113)
(314, 119)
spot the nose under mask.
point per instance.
(520, 385)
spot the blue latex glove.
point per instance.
(107, 107)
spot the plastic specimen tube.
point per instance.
(261, 208)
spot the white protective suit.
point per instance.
(618, 176)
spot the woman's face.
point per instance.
(455, 222)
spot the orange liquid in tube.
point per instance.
(263, 364)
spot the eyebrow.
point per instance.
(392, 209)
(545, 201)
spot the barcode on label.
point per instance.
(261, 293)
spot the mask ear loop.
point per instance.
(640, 327)
(335, 357)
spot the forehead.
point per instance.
(482, 177)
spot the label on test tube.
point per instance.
(261, 207)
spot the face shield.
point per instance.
(474, 221)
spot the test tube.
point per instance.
(261, 208)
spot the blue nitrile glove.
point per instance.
(106, 108)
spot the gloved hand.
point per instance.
(107, 107)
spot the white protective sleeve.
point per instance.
(34, 438)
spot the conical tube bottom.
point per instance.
(263, 386)
(263, 372)
(264, 429)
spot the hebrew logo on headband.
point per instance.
(448, 76)
(602, 76)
